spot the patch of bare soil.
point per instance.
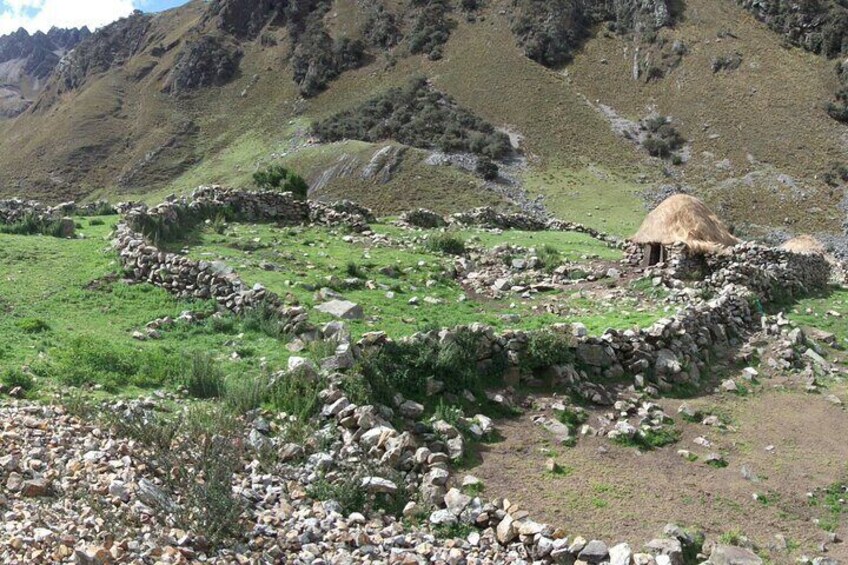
(788, 442)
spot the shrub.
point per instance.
(405, 367)
(244, 392)
(662, 139)
(297, 395)
(264, 318)
(549, 257)
(486, 168)
(96, 222)
(419, 116)
(31, 224)
(446, 243)
(277, 177)
(317, 59)
(32, 325)
(205, 378)
(15, 378)
(431, 28)
(348, 492)
(547, 348)
(381, 29)
(354, 270)
(212, 439)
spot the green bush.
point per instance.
(297, 395)
(205, 378)
(431, 28)
(32, 325)
(405, 367)
(549, 257)
(547, 348)
(265, 318)
(419, 116)
(381, 28)
(317, 59)
(31, 224)
(245, 392)
(16, 378)
(662, 139)
(487, 169)
(277, 177)
(446, 243)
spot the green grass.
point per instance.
(68, 315)
(647, 440)
(304, 260)
(813, 312)
(831, 500)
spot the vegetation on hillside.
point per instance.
(277, 177)
(419, 116)
(207, 61)
(662, 139)
(820, 26)
(431, 27)
(550, 31)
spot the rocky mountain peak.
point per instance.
(28, 60)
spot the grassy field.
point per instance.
(828, 312)
(69, 316)
(301, 261)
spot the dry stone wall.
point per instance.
(14, 210)
(486, 217)
(187, 278)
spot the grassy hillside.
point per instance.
(759, 138)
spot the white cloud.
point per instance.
(41, 15)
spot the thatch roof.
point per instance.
(685, 219)
(803, 244)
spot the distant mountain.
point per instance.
(446, 104)
(28, 61)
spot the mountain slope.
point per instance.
(28, 61)
(211, 92)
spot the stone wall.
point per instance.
(191, 279)
(175, 216)
(14, 210)
(674, 350)
(486, 217)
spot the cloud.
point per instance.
(41, 15)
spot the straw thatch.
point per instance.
(806, 244)
(685, 219)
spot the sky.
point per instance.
(41, 15)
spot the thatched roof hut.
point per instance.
(685, 219)
(805, 244)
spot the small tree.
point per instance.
(487, 168)
(277, 177)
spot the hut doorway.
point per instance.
(654, 254)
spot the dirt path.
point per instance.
(617, 493)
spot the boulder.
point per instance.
(343, 309)
(732, 555)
